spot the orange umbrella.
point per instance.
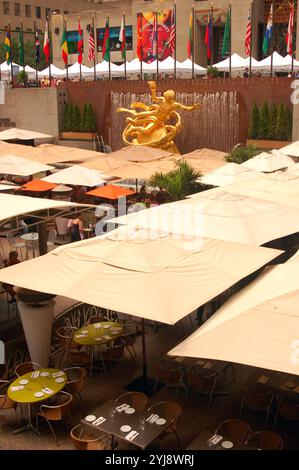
(38, 186)
(110, 192)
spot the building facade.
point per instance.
(116, 8)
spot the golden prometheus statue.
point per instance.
(148, 124)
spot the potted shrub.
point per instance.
(77, 125)
(212, 72)
(22, 78)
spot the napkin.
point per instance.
(215, 439)
(152, 418)
(48, 391)
(57, 374)
(98, 421)
(81, 336)
(131, 435)
(16, 388)
(107, 337)
(97, 326)
(122, 407)
(35, 374)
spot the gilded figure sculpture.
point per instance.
(149, 125)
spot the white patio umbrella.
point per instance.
(218, 214)
(55, 72)
(257, 326)
(292, 149)
(228, 174)
(76, 175)
(268, 162)
(15, 133)
(18, 166)
(74, 70)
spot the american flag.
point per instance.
(172, 32)
(91, 46)
(248, 35)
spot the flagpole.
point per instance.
(193, 39)
(293, 31)
(79, 39)
(22, 45)
(212, 36)
(108, 24)
(230, 39)
(251, 33)
(36, 74)
(141, 62)
(11, 57)
(272, 39)
(125, 49)
(157, 42)
(95, 49)
(175, 51)
(48, 29)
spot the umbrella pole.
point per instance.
(144, 364)
(136, 184)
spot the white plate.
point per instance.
(23, 382)
(125, 428)
(44, 374)
(227, 444)
(114, 332)
(130, 411)
(39, 394)
(84, 332)
(160, 421)
(98, 338)
(59, 380)
(90, 418)
(106, 326)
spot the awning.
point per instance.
(19, 166)
(22, 134)
(76, 175)
(269, 162)
(38, 186)
(110, 192)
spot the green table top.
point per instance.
(34, 385)
(98, 333)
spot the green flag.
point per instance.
(106, 43)
(21, 48)
(226, 37)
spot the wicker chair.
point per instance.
(235, 429)
(26, 367)
(257, 397)
(171, 412)
(83, 440)
(288, 408)
(169, 373)
(202, 381)
(75, 380)
(137, 400)
(57, 412)
(265, 440)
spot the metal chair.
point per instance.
(201, 381)
(288, 408)
(171, 411)
(257, 397)
(235, 429)
(57, 412)
(65, 334)
(31, 248)
(98, 319)
(169, 373)
(136, 400)
(83, 440)
(51, 239)
(265, 440)
(25, 367)
(14, 245)
(75, 380)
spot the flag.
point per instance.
(64, 47)
(190, 38)
(7, 47)
(290, 32)
(80, 43)
(208, 37)
(46, 47)
(21, 48)
(248, 35)
(226, 37)
(155, 52)
(37, 47)
(139, 37)
(172, 35)
(91, 46)
(269, 32)
(122, 39)
(106, 43)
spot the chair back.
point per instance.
(169, 372)
(11, 240)
(52, 236)
(289, 410)
(114, 353)
(26, 367)
(200, 379)
(265, 440)
(171, 410)
(136, 400)
(83, 440)
(58, 411)
(5, 401)
(76, 377)
(258, 396)
(98, 319)
(65, 336)
(234, 429)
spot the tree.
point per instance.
(67, 117)
(273, 121)
(76, 119)
(83, 118)
(29, 51)
(180, 182)
(264, 122)
(242, 154)
(22, 77)
(212, 72)
(90, 123)
(254, 123)
(280, 123)
(288, 118)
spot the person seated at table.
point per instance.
(76, 226)
(11, 261)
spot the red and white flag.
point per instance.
(248, 35)
(172, 32)
(91, 46)
(80, 43)
(122, 39)
(46, 47)
(290, 32)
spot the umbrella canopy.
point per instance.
(22, 134)
(18, 166)
(61, 188)
(257, 326)
(38, 186)
(76, 175)
(110, 192)
(237, 63)
(74, 70)
(104, 162)
(268, 162)
(206, 160)
(218, 214)
(186, 66)
(280, 63)
(140, 153)
(228, 174)
(292, 149)
(55, 72)
(141, 273)
(6, 187)
(142, 171)
(6, 68)
(102, 68)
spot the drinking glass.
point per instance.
(112, 412)
(142, 422)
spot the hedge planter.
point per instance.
(78, 135)
(268, 144)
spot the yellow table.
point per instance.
(32, 390)
(97, 334)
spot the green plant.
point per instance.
(83, 117)
(242, 154)
(22, 77)
(273, 121)
(90, 123)
(280, 123)
(76, 119)
(67, 117)
(212, 72)
(288, 122)
(264, 122)
(254, 123)
(180, 182)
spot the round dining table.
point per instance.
(33, 238)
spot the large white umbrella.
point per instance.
(18, 166)
(218, 214)
(76, 175)
(257, 326)
(268, 162)
(292, 149)
(15, 133)
(228, 174)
